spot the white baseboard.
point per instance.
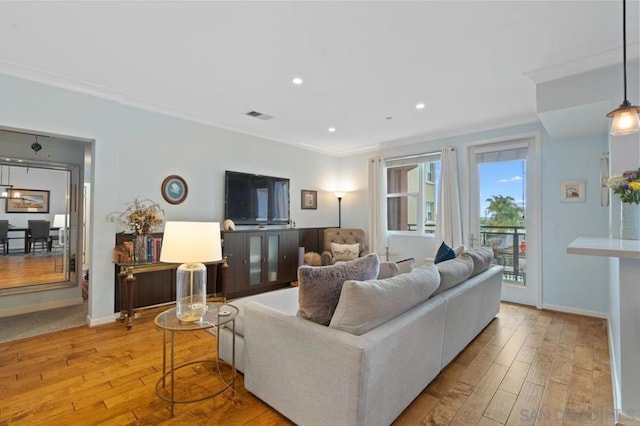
(617, 394)
(104, 320)
(25, 309)
(570, 310)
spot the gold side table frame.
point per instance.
(169, 323)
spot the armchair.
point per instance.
(342, 236)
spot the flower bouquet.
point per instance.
(627, 187)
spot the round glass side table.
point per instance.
(217, 315)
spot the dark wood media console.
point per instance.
(258, 261)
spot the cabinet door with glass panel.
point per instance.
(264, 257)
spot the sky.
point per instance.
(502, 178)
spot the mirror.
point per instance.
(32, 195)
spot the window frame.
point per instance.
(421, 160)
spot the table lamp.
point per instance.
(191, 243)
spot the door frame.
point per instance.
(533, 212)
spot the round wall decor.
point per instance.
(174, 189)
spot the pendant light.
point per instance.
(7, 193)
(625, 117)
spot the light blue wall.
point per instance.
(572, 283)
(134, 150)
(581, 282)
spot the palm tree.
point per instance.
(504, 211)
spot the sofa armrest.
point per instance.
(327, 258)
(300, 368)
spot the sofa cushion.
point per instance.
(319, 287)
(388, 270)
(342, 252)
(454, 271)
(364, 305)
(482, 258)
(444, 253)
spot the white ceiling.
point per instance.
(361, 61)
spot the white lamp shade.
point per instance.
(191, 242)
(60, 220)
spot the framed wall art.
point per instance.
(174, 189)
(28, 201)
(309, 199)
(572, 191)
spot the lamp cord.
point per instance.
(624, 47)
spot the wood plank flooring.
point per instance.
(30, 269)
(527, 367)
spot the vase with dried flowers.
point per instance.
(627, 187)
(142, 218)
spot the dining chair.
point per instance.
(39, 232)
(4, 238)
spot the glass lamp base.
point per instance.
(191, 292)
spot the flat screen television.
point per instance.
(251, 199)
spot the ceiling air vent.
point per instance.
(259, 115)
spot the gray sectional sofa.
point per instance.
(387, 340)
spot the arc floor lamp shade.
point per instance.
(191, 243)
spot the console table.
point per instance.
(165, 283)
(625, 315)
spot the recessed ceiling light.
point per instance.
(332, 129)
(420, 106)
(297, 81)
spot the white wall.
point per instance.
(134, 150)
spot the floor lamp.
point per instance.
(191, 243)
(339, 195)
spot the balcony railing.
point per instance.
(509, 246)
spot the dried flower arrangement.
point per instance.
(141, 217)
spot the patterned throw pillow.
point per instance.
(342, 252)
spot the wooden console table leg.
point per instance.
(130, 314)
(121, 277)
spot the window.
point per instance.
(411, 193)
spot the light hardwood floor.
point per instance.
(526, 367)
(29, 269)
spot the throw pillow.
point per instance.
(444, 253)
(454, 271)
(482, 258)
(405, 265)
(364, 305)
(312, 259)
(342, 252)
(319, 287)
(387, 270)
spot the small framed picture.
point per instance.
(27, 201)
(309, 199)
(572, 191)
(174, 189)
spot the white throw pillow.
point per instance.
(482, 258)
(342, 252)
(454, 271)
